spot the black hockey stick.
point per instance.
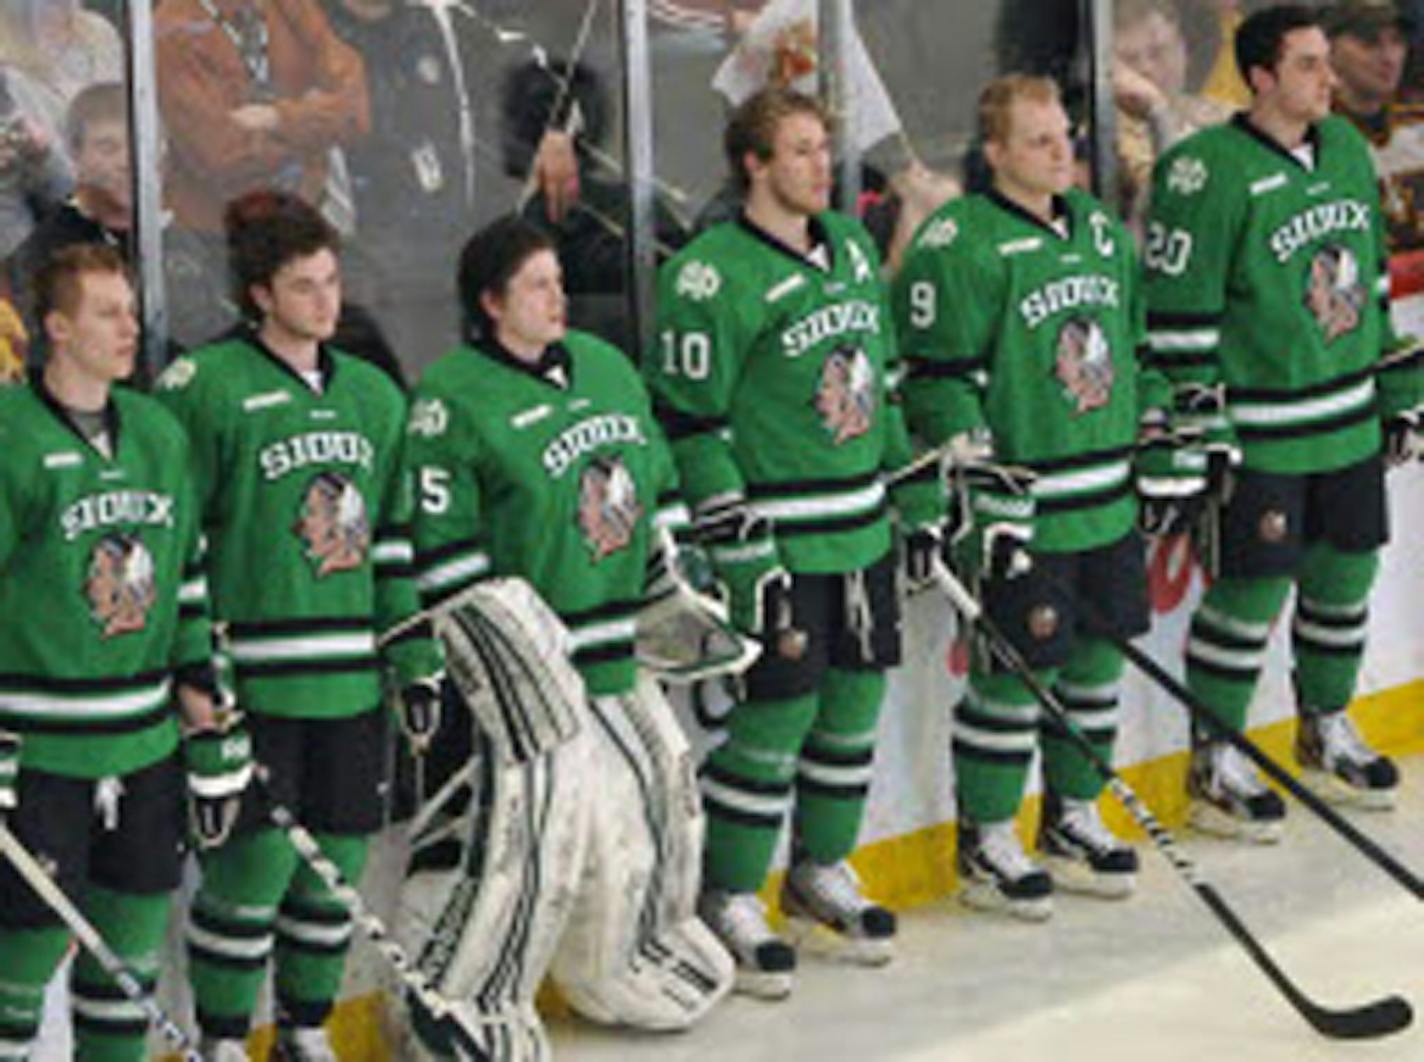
(1204, 717)
(1372, 1020)
(409, 972)
(29, 868)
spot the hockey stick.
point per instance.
(1371, 1020)
(309, 849)
(1203, 716)
(28, 867)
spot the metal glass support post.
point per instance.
(144, 141)
(1098, 16)
(640, 260)
(835, 42)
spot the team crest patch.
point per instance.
(608, 510)
(1187, 175)
(940, 233)
(1333, 293)
(845, 397)
(177, 376)
(698, 281)
(333, 525)
(428, 417)
(119, 584)
(1083, 364)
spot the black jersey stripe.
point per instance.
(1182, 320)
(792, 488)
(608, 610)
(936, 369)
(299, 625)
(427, 556)
(297, 668)
(678, 424)
(1283, 394)
(1083, 460)
(1071, 502)
(55, 684)
(124, 724)
(1315, 427)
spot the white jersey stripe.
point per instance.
(253, 650)
(92, 706)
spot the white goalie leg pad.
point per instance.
(510, 657)
(484, 910)
(634, 952)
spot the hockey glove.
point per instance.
(1171, 473)
(420, 714)
(1401, 442)
(743, 554)
(922, 546)
(9, 771)
(219, 763)
(992, 520)
(1199, 411)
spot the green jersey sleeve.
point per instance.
(193, 643)
(693, 375)
(945, 301)
(443, 451)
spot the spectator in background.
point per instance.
(34, 174)
(1155, 110)
(12, 345)
(428, 169)
(589, 236)
(253, 93)
(1368, 49)
(61, 47)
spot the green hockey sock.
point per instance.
(746, 789)
(833, 776)
(995, 731)
(1227, 645)
(314, 933)
(1087, 687)
(230, 928)
(1328, 632)
(30, 958)
(108, 1026)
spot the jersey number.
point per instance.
(922, 304)
(434, 489)
(1168, 250)
(691, 358)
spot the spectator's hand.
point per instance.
(1135, 93)
(556, 173)
(256, 117)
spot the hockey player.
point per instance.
(103, 627)
(1021, 322)
(537, 457)
(297, 450)
(1264, 264)
(771, 379)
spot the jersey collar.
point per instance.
(1242, 121)
(325, 363)
(1061, 210)
(555, 366)
(819, 237)
(56, 408)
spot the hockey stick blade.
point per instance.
(1369, 1021)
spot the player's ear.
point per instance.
(58, 327)
(492, 304)
(261, 296)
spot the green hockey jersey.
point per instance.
(102, 594)
(1035, 333)
(1265, 273)
(557, 474)
(306, 507)
(772, 380)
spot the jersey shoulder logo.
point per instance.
(845, 395)
(177, 376)
(1083, 364)
(698, 281)
(428, 417)
(1187, 175)
(939, 234)
(1333, 292)
(332, 524)
(859, 263)
(608, 507)
(119, 584)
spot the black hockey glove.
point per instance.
(420, 714)
(9, 771)
(1401, 438)
(922, 546)
(219, 761)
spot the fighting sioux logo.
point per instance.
(698, 281)
(608, 509)
(1333, 292)
(1187, 175)
(1083, 364)
(119, 584)
(845, 397)
(333, 525)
